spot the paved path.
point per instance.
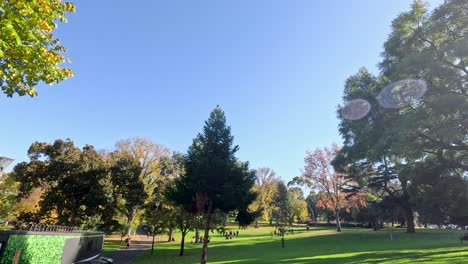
(125, 256)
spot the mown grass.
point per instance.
(112, 244)
(353, 246)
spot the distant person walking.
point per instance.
(128, 242)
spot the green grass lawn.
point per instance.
(112, 245)
(354, 246)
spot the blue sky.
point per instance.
(157, 68)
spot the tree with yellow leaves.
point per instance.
(29, 52)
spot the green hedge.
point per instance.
(35, 249)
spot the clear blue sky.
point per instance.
(157, 68)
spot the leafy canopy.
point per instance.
(29, 52)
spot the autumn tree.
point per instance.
(8, 192)
(170, 208)
(298, 205)
(26, 206)
(29, 51)
(149, 154)
(214, 178)
(265, 186)
(319, 174)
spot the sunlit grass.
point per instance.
(112, 245)
(320, 246)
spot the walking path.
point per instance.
(125, 256)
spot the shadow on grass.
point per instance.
(347, 247)
(384, 257)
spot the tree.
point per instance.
(160, 216)
(319, 174)
(282, 204)
(432, 47)
(149, 154)
(169, 208)
(127, 185)
(29, 52)
(311, 201)
(185, 222)
(8, 192)
(391, 149)
(265, 186)
(214, 178)
(75, 181)
(26, 207)
(245, 217)
(367, 155)
(297, 205)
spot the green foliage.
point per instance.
(8, 192)
(282, 205)
(214, 179)
(409, 151)
(127, 184)
(76, 181)
(214, 176)
(29, 52)
(35, 249)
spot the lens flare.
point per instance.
(356, 109)
(402, 93)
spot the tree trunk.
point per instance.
(170, 235)
(152, 243)
(338, 224)
(207, 232)
(197, 235)
(130, 219)
(408, 211)
(182, 243)
(314, 219)
(409, 220)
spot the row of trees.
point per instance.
(139, 181)
(63, 184)
(414, 158)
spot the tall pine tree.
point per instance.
(215, 180)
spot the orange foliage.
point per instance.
(319, 174)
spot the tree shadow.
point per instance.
(363, 246)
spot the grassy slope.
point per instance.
(321, 246)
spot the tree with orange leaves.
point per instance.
(319, 174)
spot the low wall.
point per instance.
(50, 247)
